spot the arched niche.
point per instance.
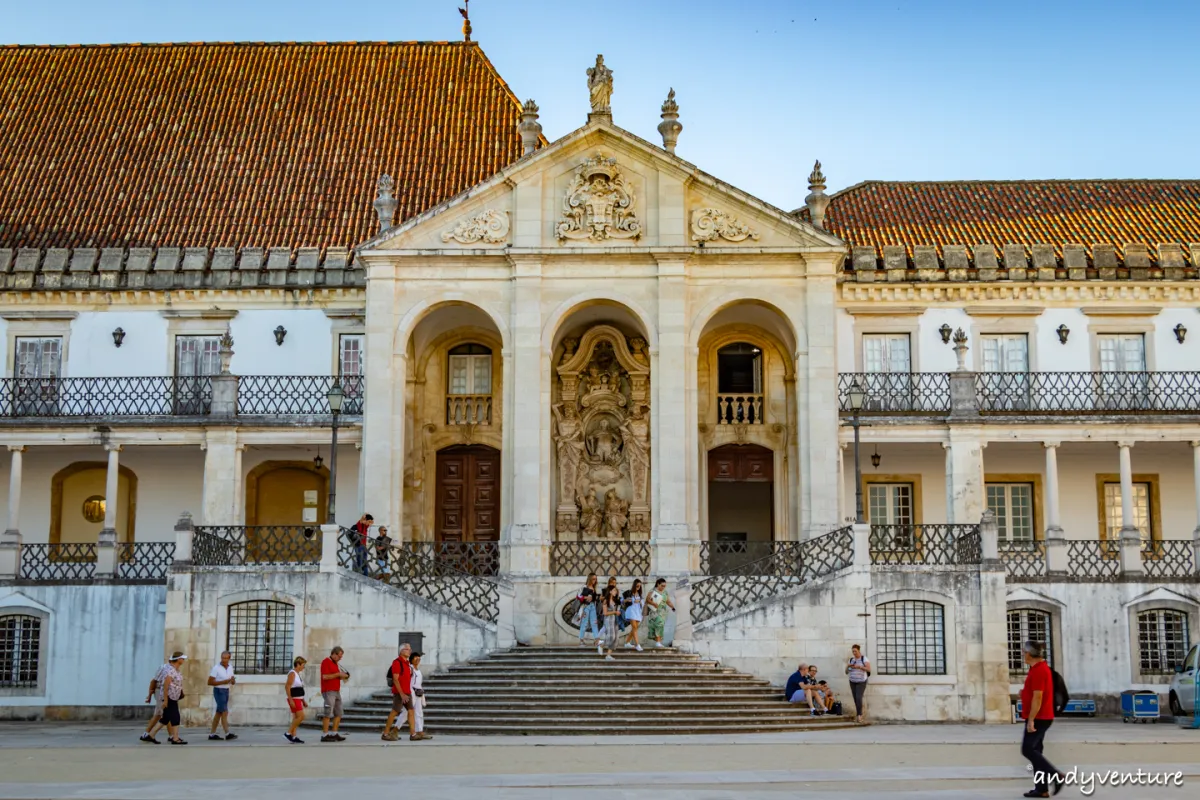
(76, 515)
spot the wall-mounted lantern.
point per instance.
(945, 332)
(118, 337)
(1063, 332)
(280, 334)
(1180, 333)
(876, 458)
(318, 462)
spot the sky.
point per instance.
(900, 90)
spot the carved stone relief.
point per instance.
(602, 438)
(710, 224)
(490, 226)
(599, 204)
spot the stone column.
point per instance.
(239, 485)
(669, 439)
(525, 540)
(1131, 538)
(862, 545)
(14, 490)
(964, 476)
(1053, 521)
(383, 412)
(329, 547)
(111, 489)
(819, 442)
(219, 506)
(682, 597)
(184, 539)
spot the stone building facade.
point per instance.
(582, 355)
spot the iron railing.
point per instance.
(602, 558)
(73, 562)
(240, 545)
(298, 394)
(1170, 558)
(925, 544)
(473, 558)
(1023, 559)
(898, 392)
(162, 396)
(1093, 559)
(718, 557)
(431, 578)
(739, 409)
(1087, 392)
(144, 562)
(790, 565)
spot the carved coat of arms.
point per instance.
(598, 204)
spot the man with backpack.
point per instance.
(1037, 709)
(399, 679)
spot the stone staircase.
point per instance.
(571, 690)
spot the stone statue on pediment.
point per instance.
(600, 87)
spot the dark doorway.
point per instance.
(468, 494)
(741, 505)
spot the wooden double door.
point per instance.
(468, 494)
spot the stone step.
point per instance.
(589, 675)
(580, 704)
(592, 691)
(624, 658)
(641, 725)
(598, 666)
(561, 715)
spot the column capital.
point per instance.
(1192, 443)
(17, 448)
(1124, 443)
(112, 447)
(1051, 445)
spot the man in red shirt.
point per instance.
(1037, 709)
(402, 699)
(332, 676)
(362, 535)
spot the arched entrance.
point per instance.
(741, 504)
(287, 493)
(468, 494)
(78, 502)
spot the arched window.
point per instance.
(910, 638)
(1162, 636)
(1027, 625)
(20, 651)
(739, 369)
(261, 636)
(470, 370)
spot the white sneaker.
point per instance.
(639, 648)
(582, 643)
(628, 646)
(599, 651)
(658, 644)
(609, 658)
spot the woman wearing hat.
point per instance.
(172, 692)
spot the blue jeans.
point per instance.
(360, 560)
(589, 616)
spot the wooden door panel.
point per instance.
(468, 496)
(741, 463)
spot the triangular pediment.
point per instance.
(601, 188)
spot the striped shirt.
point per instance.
(858, 669)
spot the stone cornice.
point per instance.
(1075, 293)
(244, 298)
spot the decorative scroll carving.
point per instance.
(710, 224)
(602, 438)
(598, 204)
(491, 227)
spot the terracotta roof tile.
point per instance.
(240, 145)
(1088, 212)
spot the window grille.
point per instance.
(1162, 640)
(20, 649)
(911, 638)
(1027, 625)
(261, 637)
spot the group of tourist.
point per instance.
(611, 614)
(404, 679)
(804, 686)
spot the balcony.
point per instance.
(739, 409)
(468, 409)
(1000, 394)
(90, 400)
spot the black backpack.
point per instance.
(1061, 695)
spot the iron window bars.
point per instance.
(260, 637)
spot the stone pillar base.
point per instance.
(10, 554)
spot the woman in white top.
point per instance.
(610, 609)
(858, 669)
(418, 696)
(633, 613)
(293, 688)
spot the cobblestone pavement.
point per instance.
(62, 760)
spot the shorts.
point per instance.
(655, 626)
(170, 714)
(221, 696)
(159, 706)
(295, 704)
(333, 704)
(401, 702)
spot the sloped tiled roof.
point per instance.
(1055, 212)
(240, 145)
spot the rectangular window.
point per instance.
(197, 356)
(20, 651)
(1012, 503)
(1027, 625)
(470, 374)
(38, 357)
(1005, 352)
(886, 352)
(911, 638)
(1162, 640)
(1122, 352)
(351, 355)
(260, 636)
(1141, 511)
(890, 503)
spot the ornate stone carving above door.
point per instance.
(710, 224)
(490, 227)
(599, 204)
(602, 438)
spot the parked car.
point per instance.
(1183, 685)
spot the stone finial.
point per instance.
(960, 348)
(529, 127)
(385, 202)
(466, 15)
(670, 125)
(225, 352)
(817, 201)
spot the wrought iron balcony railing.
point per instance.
(241, 545)
(925, 544)
(1087, 392)
(173, 396)
(602, 558)
(1169, 558)
(1023, 559)
(473, 558)
(73, 562)
(898, 392)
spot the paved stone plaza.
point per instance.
(886, 760)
